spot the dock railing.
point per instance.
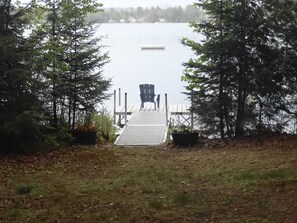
(182, 113)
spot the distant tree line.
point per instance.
(50, 71)
(243, 80)
(148, 15)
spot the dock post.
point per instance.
(114, 107)
(125, 109)
(119, 96)
(191, 111)
(120, 117)
(166, 109)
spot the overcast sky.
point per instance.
(144, 3)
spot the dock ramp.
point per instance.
(144, 128)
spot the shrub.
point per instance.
(57, 138)
(64, 137)
(23, 134)
(103, 123)
(30, 133)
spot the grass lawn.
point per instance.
(245, 181)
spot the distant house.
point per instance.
(140, 20)
(132, 19)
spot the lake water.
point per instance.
(131, 66)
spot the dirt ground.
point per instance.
(239, 180)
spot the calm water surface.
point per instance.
(131, 66)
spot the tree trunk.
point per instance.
(227, 118)
(241, 97)
(69, 112)
(75, 78)
(54, 93)
(7, 14)
(240, 112)
(221, 87)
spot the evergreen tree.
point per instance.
(284, 21)
(236, 76)
(73, 62)
(19, 104)
(86, 87)
(210, 74)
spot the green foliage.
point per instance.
(42, 94)
(182, 129)
(24, 134)
(253, 176)
(239, 77)
(83, 81)
(156, 204)
(274, 174)
(182, 199)
(70, 61)
(23, 189)
(57, 138)
(20, 128)
(51, 142)
(103, 123)
(247, 177)
(64, 137)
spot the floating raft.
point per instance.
(153, 47)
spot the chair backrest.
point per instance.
(147, 92)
